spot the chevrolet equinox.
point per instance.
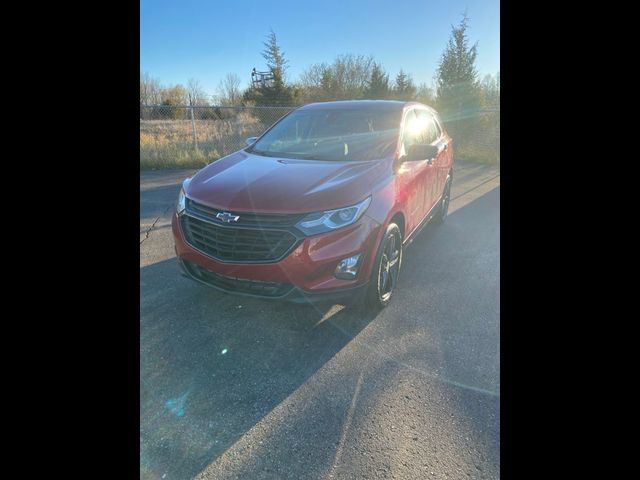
(320, 205)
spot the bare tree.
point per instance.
(150, 90)
(315, 82)
(354, 72)
(490, 90)
(196, 94)
(347, 77)
(229, 93)
(312, 76)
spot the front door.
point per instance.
(415, 175)
(444, 160)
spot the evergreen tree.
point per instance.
(457, 78)
(404, 88)
(275, 91)
(275, 58)
(378, 86)
(326, 81)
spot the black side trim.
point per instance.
(425, 221)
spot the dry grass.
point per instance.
(169, 143)
(478, 155)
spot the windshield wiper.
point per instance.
(293, 155)
(263, 153)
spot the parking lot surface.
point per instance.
(233, 387)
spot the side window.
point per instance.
(420, 127)
(438, 125)
(411, 132)
(429, 128)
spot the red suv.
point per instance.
(319, 206)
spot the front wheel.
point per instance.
(385, 270)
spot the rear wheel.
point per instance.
(444, 202)
(385, 270)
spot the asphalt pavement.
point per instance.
(233, 387)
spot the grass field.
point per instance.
(170, 143)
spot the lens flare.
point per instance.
(416, 125)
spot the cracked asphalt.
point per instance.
(241, 388)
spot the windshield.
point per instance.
(333, 134)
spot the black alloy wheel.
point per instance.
(384, 276)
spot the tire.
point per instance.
(441, 216)
(384, 276)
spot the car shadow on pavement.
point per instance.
(212, 365)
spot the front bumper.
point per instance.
(304, 275)
(290, 294)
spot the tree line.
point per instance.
(457, 91)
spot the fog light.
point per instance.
(347, 268)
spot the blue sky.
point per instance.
(205, 40)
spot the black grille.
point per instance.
(262, 220)
(231, 284)
(237, 244)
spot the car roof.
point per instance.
(346, 104)
(389, 105)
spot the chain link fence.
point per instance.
(182, 136)
(191, 137)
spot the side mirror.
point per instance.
(251, 140)
(421, 152)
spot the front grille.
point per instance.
(233, 242)
(240, 285)
(262, 220)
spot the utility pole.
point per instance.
(193, 123)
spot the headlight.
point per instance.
(182, 199)
(328, 220)
(181, 205)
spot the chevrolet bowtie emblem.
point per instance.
(227, 217)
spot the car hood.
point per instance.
(246, 182)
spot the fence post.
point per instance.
(193, 125)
